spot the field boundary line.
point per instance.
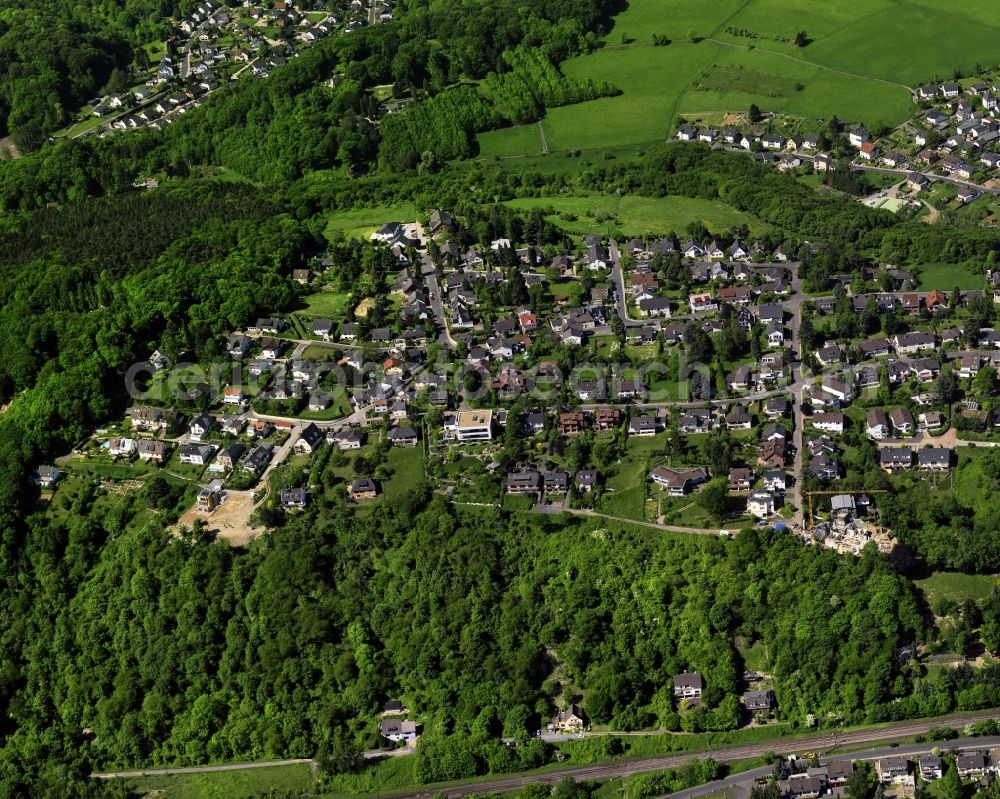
(910, 89)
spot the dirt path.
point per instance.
(7, 146)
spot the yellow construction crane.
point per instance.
(857, 491)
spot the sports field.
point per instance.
(860, 65)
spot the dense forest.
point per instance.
(180, 651)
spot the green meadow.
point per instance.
(723, 56)
(631, 215)
(362, 222)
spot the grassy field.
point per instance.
(514, 141)
(635, 216)
(293, 780)
(407, 465)
(957, 587)
(362, 222)
(945, 277)
(327, 304)
(857, 66)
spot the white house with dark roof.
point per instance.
(688, 685)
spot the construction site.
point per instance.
(852, 523)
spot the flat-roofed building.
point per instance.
(474, 425)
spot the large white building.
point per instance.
(474, 426)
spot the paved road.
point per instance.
(626, 768)
(912, 750)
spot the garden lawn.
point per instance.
(627, 482)
(407, 464)
(945, 277)
(326, 304)
(956, 586)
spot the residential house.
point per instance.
(774, 480)
(607, 418)
(858, 136)
(894, 459)
(702, 303)
(474, 426)
(877, 424)
(908, 343)
(398, 729)
(902, 421)
(760, 504)
(257, 458)
(524, 481)
(655, 306)
(931, 420)
(739, 378)
(688, 685)
(758, 702)
(775, 407)
(740, 478)
(801, 786)
(828, 422)
(572, 422)
(46, 475)
(210, 497)
(227, 458)
(149, 419)
(572, 719)
(362, 488)
(555, 481)
(402, 436)
(930, 767)
(309, 439)
(587, 479)
(642, 426)
(200, 427)
(934, 459)
(738, 419)
(971, 765)
(773, 453)
(121, 447)
(823, 467)
(196, 454)
(293, 498)
(151, 450)
(322, 328)
(678, 481)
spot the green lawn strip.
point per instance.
(293, 780)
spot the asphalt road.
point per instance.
(626, 768)
(911, 750)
